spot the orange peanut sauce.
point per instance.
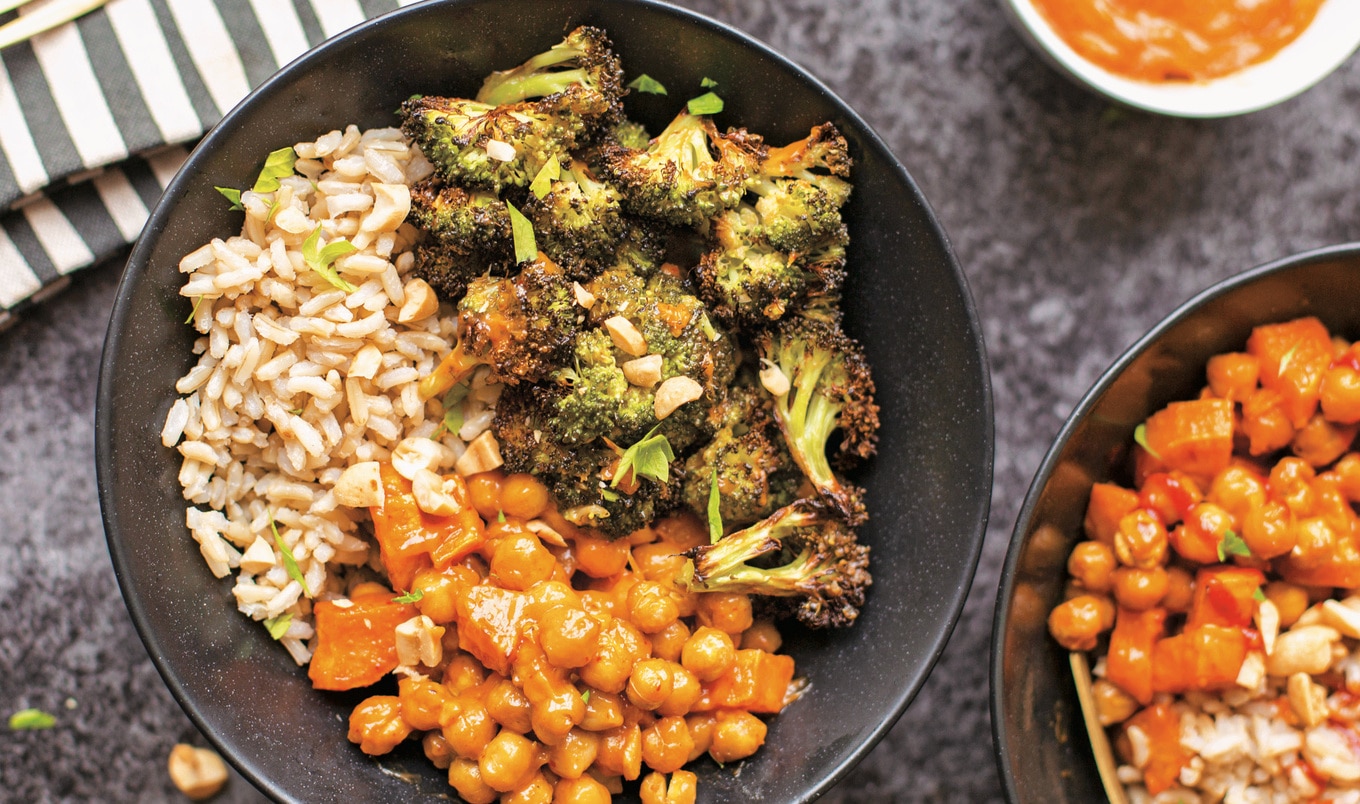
(1177, 40)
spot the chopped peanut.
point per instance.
(360, 486)
(626, 336)
(483, 455)
(1268, 623)
(1303, 650)
(1252, 672)
(421, 302)
(675, 392)
(583, 297)
(643, 372)
(366, 362)
(1341, 617)
(198, 772)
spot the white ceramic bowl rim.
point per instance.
(1324, 46)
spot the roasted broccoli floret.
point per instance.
(493, 147)
(801, 189)
(521, 327)
(581, 63)
(578, 222)
(688, 174)
(830, 389)
(747, 459)
(630, 135)
(819, 566)
(470, 236)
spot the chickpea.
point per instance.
(725, 611)
(537, 790)
(620, 645)
(1290, 600)
(600, 558)
(1077, 622)
(555, 716)
(519, 560)
(1113, 705)
(466, 778)
(466, 725)
(670, 641)
(1347, 471)
(653, 789)
(651, 606)
(437, 749)
(604, 711)
(1180, 590)
(1170, 495)
(1321, 442)
(421, 702)
(650, 683)
(1237, 490)
(666, 745)
(1233, 375)
(485, 491)
(377, 725)
(701, 731)
(1265, 423)
(463, 672)
(736, 735)
(523, 496)
(506, 705)
(1341, 394)
(1141, 540)
(708, 654)
(1268, 530)
(583, 790)
(507, 760)
(574, 754)
(681, 790)
(621, 751)
(439, 591)
(568, 636)
(660, 560)
(1291, 482)
(1140, 589)
(684, 529)
(1091, 564)
(685, 693)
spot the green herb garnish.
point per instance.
(708, 83)
(278, 626)
(28, 719)
(1288, 357)
(233, 195)
(649, 457)
(453, 410)
(585, 697)
(715, 526)
(410, 597)
(526, 250)
(542, 183)
(320, 259)
(500, 517)
(648, 84)
(289, 563)
(1233, 545)
(197, 301)
(707, 103)
(1258, 595)
(1140, 435)
(610, 495)
(278, 165)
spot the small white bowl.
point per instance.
(1329, 41)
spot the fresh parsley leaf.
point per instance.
(1232, 545)
(1258, 595)
(649, 457)
(526, 249)
(410, 597)
(610, 495)
(708, 83)
(585, 697)
(1287, 359)
(197, 301)
(289, 563)
(542, 183)
(26, 719)
(278, 626)
(715, 526)
(296, 411)
(500, 517)
(707, 103)
(1140, 435)
(278, 165)
(233, 195)
(320, 259)
(648, 84)
(453, 410)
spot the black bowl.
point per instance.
(1041, 742)
(906, 299)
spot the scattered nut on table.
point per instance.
(198, 772)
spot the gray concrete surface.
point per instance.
(1079, 225)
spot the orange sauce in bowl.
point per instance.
(1177, 40)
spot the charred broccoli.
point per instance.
(581, 63)
(470, 235)
(520, 327)
(821, 569)
(747, 459)
(830, 389)
(798, 204)
(688, 174)
(578, 221)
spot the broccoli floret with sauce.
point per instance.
(801, 188)
(801, 554)
(688, 174)
(583, 63)
(830, 390)
(578, 221)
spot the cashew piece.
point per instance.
(421, 302)
(673, 393)
(1308, 700)
(431, 495)
(197, 772)
(257, 558)
(360, 486)
(644, 372)
(483, 455)
(626, 336)
(419, 641)
(391, 203)
(583, 297)
(773, 378)
(1303, 650)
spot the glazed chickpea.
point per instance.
(700, 727)
(1290, 600)
(621, 751)
(437, 749)
(519, 560)
(725, 611)
(466, 778)
(439, 590)
(1341, 394)
(685, 692)
(600, 558)
(1077, 622)
(1233, 375)
(1140, 589)
(736, 735)
(523, 496)
(537, 790)
(568, 636)
(604, 711)
(1198, 538)
(1321, 442)
(507, 760)
(660, 560)
(620, 645)
(681, 790)
(1268, 530)
(651, 606)
(583, 790)
(670, 641)
(1113, 705)
(466, 725)
(1264, 422)
(1091, 564)
(574, 754)
(377, 725)
(1141, 540)
(1237, 490)
(421, 702)
(506, 705)
(555, 716)
(485, 491)
(708, 654)
(1180, 590)
(1170, 495)
(762, 635)
(650, 683)
(463, 672)
(1291, 482)
(653, 789)
(666, 745)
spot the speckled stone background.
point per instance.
(1079, 226)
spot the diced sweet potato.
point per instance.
(1195, 437)
(406, 535)
(1162, 727)
(1109, 504)
(1294, 357)
(355, 645)
(1129, 662)
(489, 620)
(1207, 657)
(757, 682)
(1224, 596)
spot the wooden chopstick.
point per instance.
(49, 16)
(1100, 742)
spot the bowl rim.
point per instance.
(1000, 744)
(1312, 56)
(135, 270)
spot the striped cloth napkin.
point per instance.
(97, 115)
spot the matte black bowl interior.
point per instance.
(1041, 743)
(906, 299)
